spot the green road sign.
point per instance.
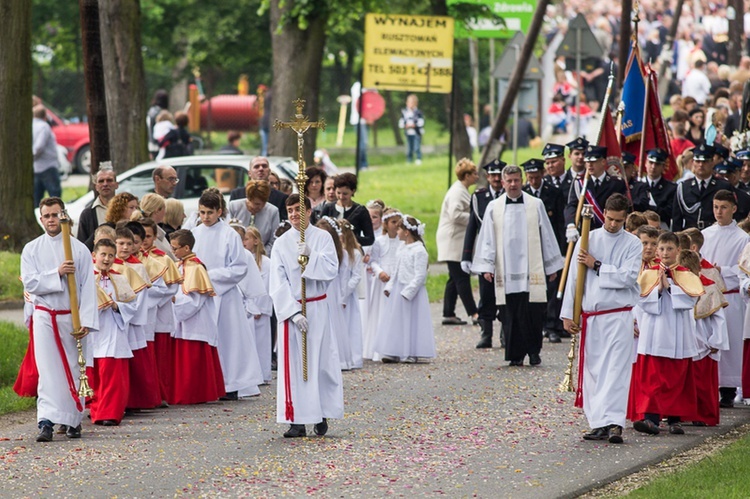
(516, 14)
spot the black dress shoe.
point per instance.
(389, 359)
(453, 321)
(295, 431)
(73, 432)
(62, 429)
(597, 434)
(615, 434)
(45, 434)
(515, 363)
(699, 423)
(484, 343)
(726, 403)
(534, 359)
(646, 426)
(230, 396)
(676, 429)
(554, 337)
(109, 422)
(321, 428)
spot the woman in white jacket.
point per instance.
(454, 217)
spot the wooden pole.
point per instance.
(516, 79)
(474, 58)
(93, 70)
(625, 31)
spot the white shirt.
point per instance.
(696, 85)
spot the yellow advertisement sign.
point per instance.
(410, 53)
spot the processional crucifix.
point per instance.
(300, 125)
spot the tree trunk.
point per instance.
(736, 32)
(17, 224)
(516, 78)
(393, 118)
(297, 61)
(93, 69)
(461, 144)
(124, 77)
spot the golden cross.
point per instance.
(300, 125)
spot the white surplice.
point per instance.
(322, 395)
(337, 319)
(667, 326)
(111, 340)
(220, 248)
(608, 352)
(263, 306)
(40, 260)
(723, 245)
(350, 298)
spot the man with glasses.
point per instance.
(44, 272)
(260, 169)
(105, 183)
(165, 180)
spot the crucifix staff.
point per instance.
(300, 125)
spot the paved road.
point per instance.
(462, 425)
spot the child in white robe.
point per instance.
(109, 377)
(220, 248)
(405, 332)
(352, 253)
(383, 262)
(321, 396)
(375, 207)
(261, 308)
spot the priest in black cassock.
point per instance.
(518, 251)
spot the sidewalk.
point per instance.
(464, 424)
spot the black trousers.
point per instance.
(459, 284)
(487, 307)
(553, 322)
(522, 325)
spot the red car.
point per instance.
(74, 137)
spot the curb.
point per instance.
(11, 305)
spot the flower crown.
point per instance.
(418, 228)
(234, 223)
(391, 215)
(330, 221)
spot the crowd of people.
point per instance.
(199, 308)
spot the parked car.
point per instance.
(196, 173)
(74, 137)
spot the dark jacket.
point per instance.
(555, 207)
(358, 216)
(663, 194)
(688, 198)
(479, 201)
(609, 186)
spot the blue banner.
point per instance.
(633, 96)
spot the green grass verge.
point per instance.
(11, 287)
(72, 193)
(15, 340)
(724, 475)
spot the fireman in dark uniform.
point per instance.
(638, 190)
(744, 182)
(479, 201)
(729, 170)
(660, 190)
(554, 162)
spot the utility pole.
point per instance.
(515, 81)
(93, 71)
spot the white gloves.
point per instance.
(571, 233)
(466, 266)
(301, 322)
(303, 249)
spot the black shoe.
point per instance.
(109, 422)
(597, 434)
(389, 359)
(515, 363)
(62, 429)
(676, 429)
(230, 396)
(646, 426)
(274, 365)
(45, 434)
(534, 359)
(73, 432)
(554, 337)
(295, 431)
(699, 423)
(321, 428)
(615, 434)
(485, 343)
(453, 321)
(726, 403)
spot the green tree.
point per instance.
(17, 225)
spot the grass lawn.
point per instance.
(10, 268)
(724, 475)
(14, 340)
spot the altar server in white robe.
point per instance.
(614, 259)
(321, 397)
(723, 245)
(516, 249)
(44, 271)
(260, 309)
(352, 258)
(220, 249)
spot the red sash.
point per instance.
(584, 322)
(61, 350)
(288, 404)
